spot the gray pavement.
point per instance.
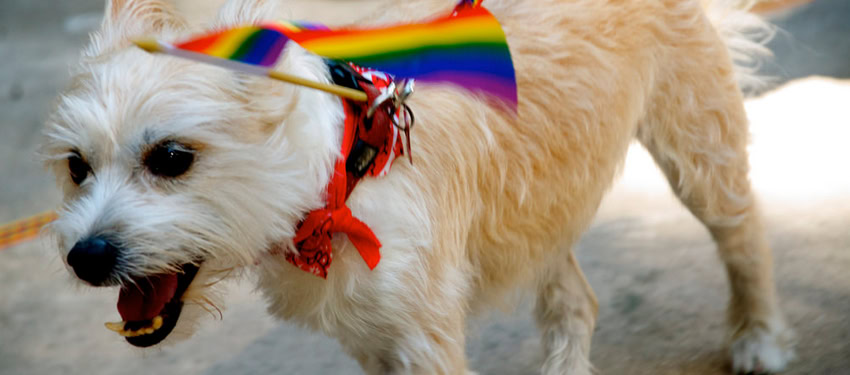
(661, 289)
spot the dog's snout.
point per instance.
(93, 260)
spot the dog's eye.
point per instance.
(78, 168)
(170, 159)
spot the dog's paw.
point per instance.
(760, 351)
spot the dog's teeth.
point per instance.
(116, 326)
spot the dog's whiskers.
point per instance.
(208, 306)
(221, 274)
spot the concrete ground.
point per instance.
(661, 288)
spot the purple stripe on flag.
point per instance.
(274, 52)
(497, 86)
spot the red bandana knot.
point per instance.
(314, 240)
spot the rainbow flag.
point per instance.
(253, 45)
(467, 48)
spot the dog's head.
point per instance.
(175, 172)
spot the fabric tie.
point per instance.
(313, 239)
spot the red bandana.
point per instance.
(369, 146)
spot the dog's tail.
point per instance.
(746, 35)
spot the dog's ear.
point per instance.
(143, 15)
(124, 20)
(241, 12)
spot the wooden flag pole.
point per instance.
(342, 91)
(153, 46)
(23, 230)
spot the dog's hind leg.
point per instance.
(696, 130)
(566, 314)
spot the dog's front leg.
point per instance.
(386, 365)
(423, 345)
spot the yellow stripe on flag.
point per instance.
(230, 42)
(370, 42)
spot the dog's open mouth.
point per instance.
(151, 307)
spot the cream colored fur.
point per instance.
(494, 201)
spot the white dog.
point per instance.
(178, 174)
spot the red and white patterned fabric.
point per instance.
(394, 147)
(313, 237)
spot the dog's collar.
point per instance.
(374, 135)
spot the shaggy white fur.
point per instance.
(494, 202)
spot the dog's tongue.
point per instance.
(146, 299)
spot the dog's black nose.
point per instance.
(93, 260)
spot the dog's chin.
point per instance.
(150, 307)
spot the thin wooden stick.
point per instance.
(342, 91)
(153, 46)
